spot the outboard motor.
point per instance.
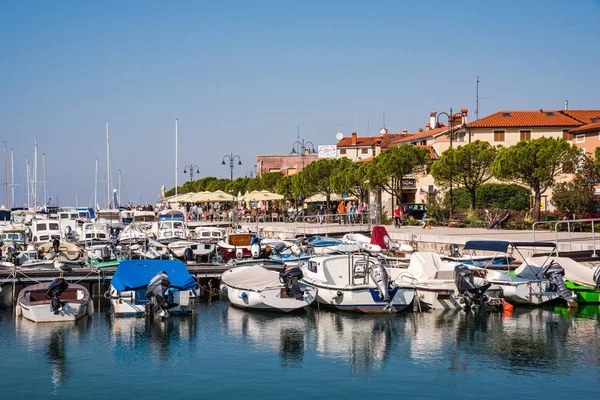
(55, 244)
(555, 274)
(239, 254)
(68, 233)
(55, 289)
(381, 279)
(453, 250)
(156, 292)
(471, 294)
(188, 255)
(290, 276)
(255, 247)
(597, 278)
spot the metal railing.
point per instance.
(359, 220)
(570, 224)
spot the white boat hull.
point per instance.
(362, 299)
(132, 302)
(43, 312)
(273, 299)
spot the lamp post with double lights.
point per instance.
(300, 147)
(251, 174)
(451, 126)
(189, 169)
(231, 158)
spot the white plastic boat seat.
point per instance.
(445, 274)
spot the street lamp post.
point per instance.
(232, 158)
(451, 126)
(251, 174)
(189, 169)
(300, 146)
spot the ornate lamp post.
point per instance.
(300, 147)
(189, 169)
(231, 158)
(451, 126)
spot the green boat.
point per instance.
(105, 264)
(584, 294)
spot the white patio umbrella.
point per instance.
(259, 195)
(321, 198)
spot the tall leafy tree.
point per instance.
(468, 166)
(535, 163)
(579, 194)
(389, 169)
(270, 179)
(352, 180)
(285, 187)
(316, 176)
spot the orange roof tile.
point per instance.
(432, 132)
(385, 141)
(586, 128)
(524, 119)
(583, 116)
(362, 160)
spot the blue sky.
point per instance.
(241, 76)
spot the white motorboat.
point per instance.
(170, 230)
(356, 282)
(236, 245)
(45, 230)
(210, 234)
(259, 288)
(55, 301)
(153, 287)
(179, 247)
(444, 284)
(533, 283)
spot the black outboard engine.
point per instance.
(290, 276)
(156, 292)
(555, 274)
(188, 255)
(453, 250)
(471, 294)
(597, 278)
(55, 244)
(55, 289)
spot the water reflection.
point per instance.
(286, 333)
(134, 338)
(364, 341)
(55, 338)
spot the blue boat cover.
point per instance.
(502, 245)
(136, 274)
(321, 241)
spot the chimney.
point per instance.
(354, 141)
(404, 131)
(432, 118)
(465, 113)
(383, 131)
(566, 105)
(420, 130)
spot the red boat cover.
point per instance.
(378, 235)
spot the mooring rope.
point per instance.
(28, 277)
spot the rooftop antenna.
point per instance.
(477, 100)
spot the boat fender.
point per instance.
(244, 295)
(224, 289)
(339, 293)
(18, 311)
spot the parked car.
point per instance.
(414, 210)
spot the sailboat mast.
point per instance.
(34, 183)
(176, 156)
(28, 182)
(108, 183)
(119, 194)
(96, 187)
(45, 193)
(6, 174)
(12, 173)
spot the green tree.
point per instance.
(493, 195)
(352, 180)
(535, 163)
(316, 176)
(468, 166)
(218, 184)
(389, 169)
(579, 194)
(270, 179)
(285, 187)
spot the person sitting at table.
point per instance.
(502, 219)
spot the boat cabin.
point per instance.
(45, 230)
(126, 217)
(110, 217)
(23, 217)
(171, 230)
(144, 216)
(12, 235)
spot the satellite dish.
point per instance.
(339, 135)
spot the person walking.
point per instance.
(321, 214)
(353, 209)
(341, 209)
(425, 221)
(397, 216)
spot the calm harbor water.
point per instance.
(223, 352)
